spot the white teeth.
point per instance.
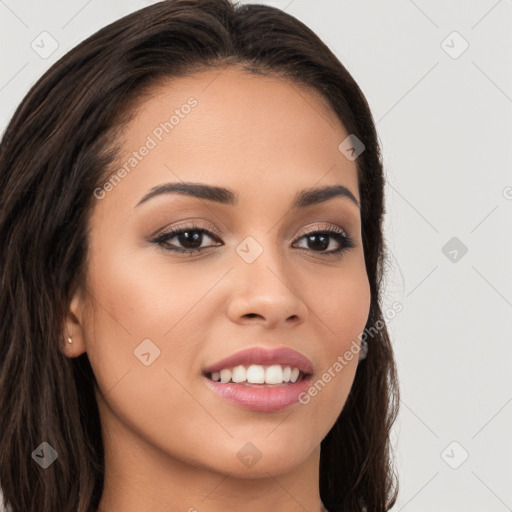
(225, 375)
(239, 374)
(274, 374)
(257, 374)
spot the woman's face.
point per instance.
(152, 320)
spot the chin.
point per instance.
(259, 458)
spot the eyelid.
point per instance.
(325, 226)
(191, 223)
(187, 223)
(330, 229)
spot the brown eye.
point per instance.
(320, 241)
(190, 238)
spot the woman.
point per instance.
(191, 222)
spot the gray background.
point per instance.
(444, 120)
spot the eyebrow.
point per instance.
(303, 199)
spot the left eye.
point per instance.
(191, 239)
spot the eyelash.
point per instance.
(339, 235)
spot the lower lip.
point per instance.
(260, 398)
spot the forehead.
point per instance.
(229, 127)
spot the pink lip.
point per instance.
(259, 397)
(259, 355)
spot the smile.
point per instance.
(259, 378)
(258, 374)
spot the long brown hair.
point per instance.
(57, 149)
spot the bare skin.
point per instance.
(171, 444)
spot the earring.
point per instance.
(363, 352)
(70, 340)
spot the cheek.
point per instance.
(353, 309)
(342, 306)
(343, 311)
(141, 299)
(129, 305)
(134, 318)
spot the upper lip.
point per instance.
(264, 356)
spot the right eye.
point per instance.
(190, 237)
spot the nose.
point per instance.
(265, 292)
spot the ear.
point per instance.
(73, 327)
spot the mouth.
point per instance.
(260, 379)
(258, 375)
